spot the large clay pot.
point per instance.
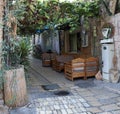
(15, 91)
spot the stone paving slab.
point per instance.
(58, 105)
(71, 104)
(93, 98)
(108, 101)
(110, 107)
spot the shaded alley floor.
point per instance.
(62, 96)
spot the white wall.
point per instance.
(49, 40)
(115, 20)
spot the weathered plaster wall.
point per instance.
(49, 40)
(115, 20)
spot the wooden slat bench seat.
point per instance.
(91, 66)
(81, 68)
(75, 69)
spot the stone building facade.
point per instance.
(115, 21)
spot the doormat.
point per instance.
(49, 94)
(61, 93)
(50, 87)
(86, 84)
(45, 94)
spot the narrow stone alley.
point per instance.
(50, 92)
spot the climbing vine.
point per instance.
(51, 14)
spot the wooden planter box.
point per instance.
(15, 92)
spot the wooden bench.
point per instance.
(75, 69)
(91, 66)
(59, 61)
(81, 68)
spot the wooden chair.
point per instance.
(47, 58)
(53, 57)
(59, 62)
(46, 61)
(91, 66)
(75, 69)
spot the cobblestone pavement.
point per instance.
(3, 107)
(85, 96)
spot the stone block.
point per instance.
(94, 110)
(95, 103)
(118, 99)
(108, 101)
(110, 107)
(117, 37)
(112, 20)
(106, 113)
(86, 105)
(115, 24)
(64, 111)
(117, 16)
(116, 112)
(116, 32)
(117, 45)
(69, 111)
(90, 98)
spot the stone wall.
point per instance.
(115, 20)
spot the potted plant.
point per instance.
(15, 59)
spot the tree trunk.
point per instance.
(15, 92)
(1, 29)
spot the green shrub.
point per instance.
(16, 52)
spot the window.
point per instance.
(74, 42)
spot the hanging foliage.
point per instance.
(33, 15)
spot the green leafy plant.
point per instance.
(16, 52)
(33, 15)
(13, 53)
(11, 58)
(23, 50)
